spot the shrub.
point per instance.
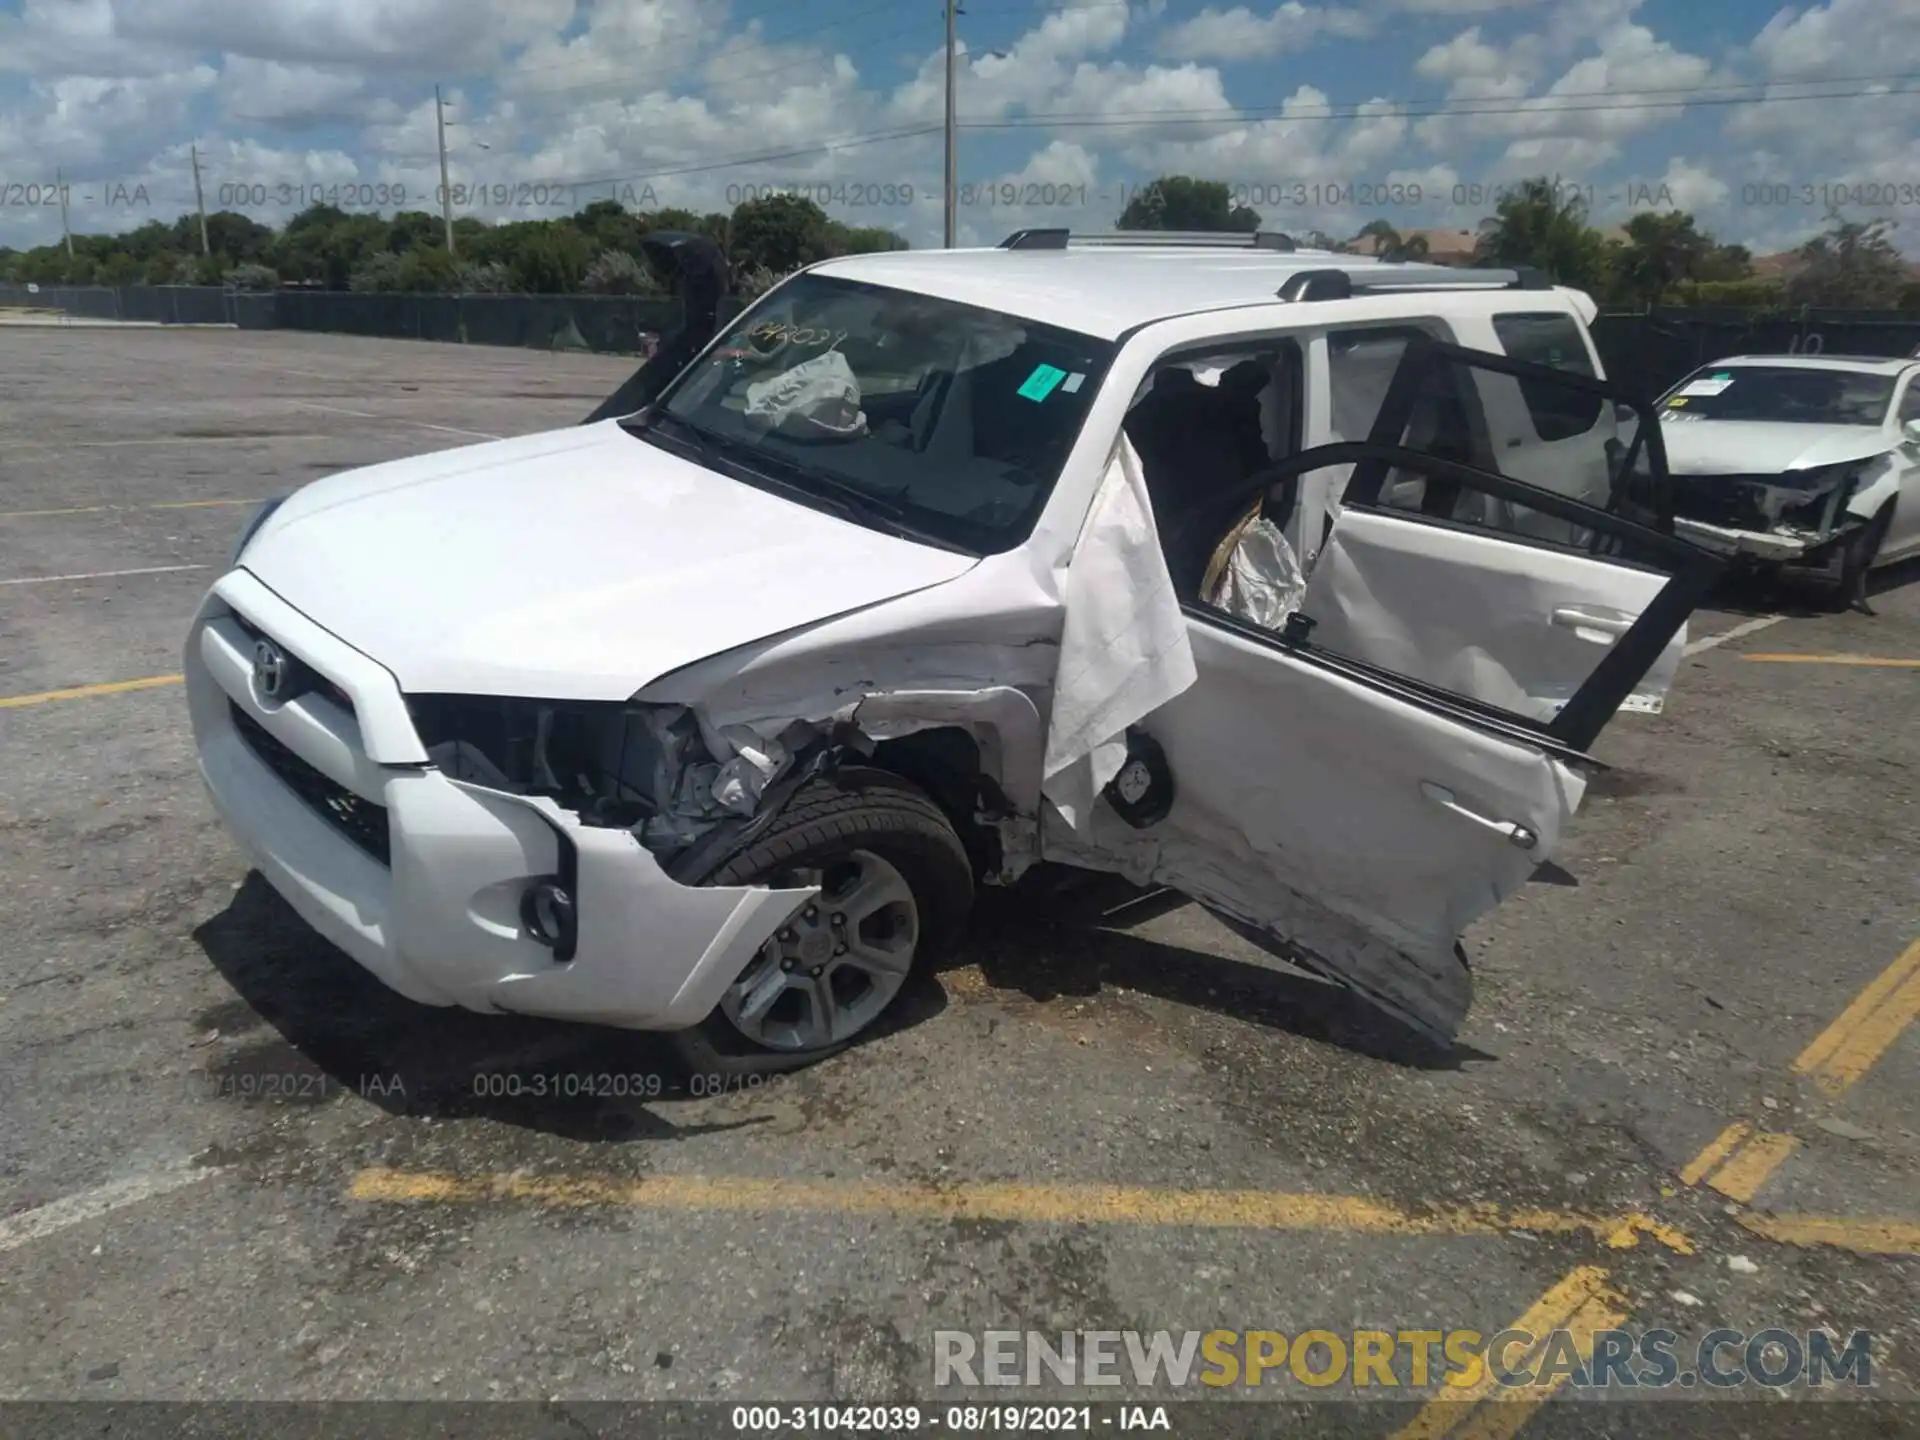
(380, 271)
(490, 279)
(618, 273)
(250, 275)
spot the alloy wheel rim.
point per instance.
(826, 975)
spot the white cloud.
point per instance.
(402, 34)
(579, 98)
(1239, 34)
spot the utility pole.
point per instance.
(60, 184)
(446, 189)
(952, 188)
(200, 201)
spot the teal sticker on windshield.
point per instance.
(1041, 382)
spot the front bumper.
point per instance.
(1816, 557)
(438, 918)
(1759, 544)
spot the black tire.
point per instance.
(858, 809)
(1856, 562)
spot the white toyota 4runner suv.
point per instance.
(1297, 583)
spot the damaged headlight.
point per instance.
(1812, 499)
(657, 770)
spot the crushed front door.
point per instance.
(1345, 805)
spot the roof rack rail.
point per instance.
(1059, 239)
(1330, 284)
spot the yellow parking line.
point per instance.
(1718, 1148)
(106, 509)
(1046, 1204)
(1784, 659)
(1582, 1303)
(1848, 1048)
(1752, 1166)
(85, 692)
(1865, 1237)
(1739, 1160)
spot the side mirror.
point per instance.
(1911, 432)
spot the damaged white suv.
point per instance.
(1298, 583)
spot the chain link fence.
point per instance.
(609, 324)
(1650, 350)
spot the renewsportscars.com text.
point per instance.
(1414, 1359)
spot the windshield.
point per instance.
(1782, 393)
(899, 409)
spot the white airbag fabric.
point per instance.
(1262, 582)
(1123, 647)
(818, 397)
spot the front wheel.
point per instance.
(1856, 561)
(895, 889)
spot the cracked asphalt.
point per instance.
(232, 1167)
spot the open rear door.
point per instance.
(1491, 565)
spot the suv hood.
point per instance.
(578, 564)
(1758, 447)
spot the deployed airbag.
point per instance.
(1124, 650)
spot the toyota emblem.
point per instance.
(269, 669)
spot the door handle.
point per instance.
(1514, 834)
(1575, 618)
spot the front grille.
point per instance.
(360, 820)
(1732, 501)
(304, 677)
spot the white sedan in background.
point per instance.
(1811, 462)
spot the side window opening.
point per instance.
(1557, 412)
(1447, 418)
(1205, 425)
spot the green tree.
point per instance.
(608, 225)
(1725, 263)
(232, 237)
(1180, 202)
(861, 240)
(778, 232)
(1851, 264)
(549, 261)
(1389, 243)
(1542, 224)
(326, 244)
(412, 229)
(429, 268)
(1661, 250)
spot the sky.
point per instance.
(1321, 114)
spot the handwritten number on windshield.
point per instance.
(775, 334)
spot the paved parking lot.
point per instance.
(232, 1167)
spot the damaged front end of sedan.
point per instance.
(1801, 519)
